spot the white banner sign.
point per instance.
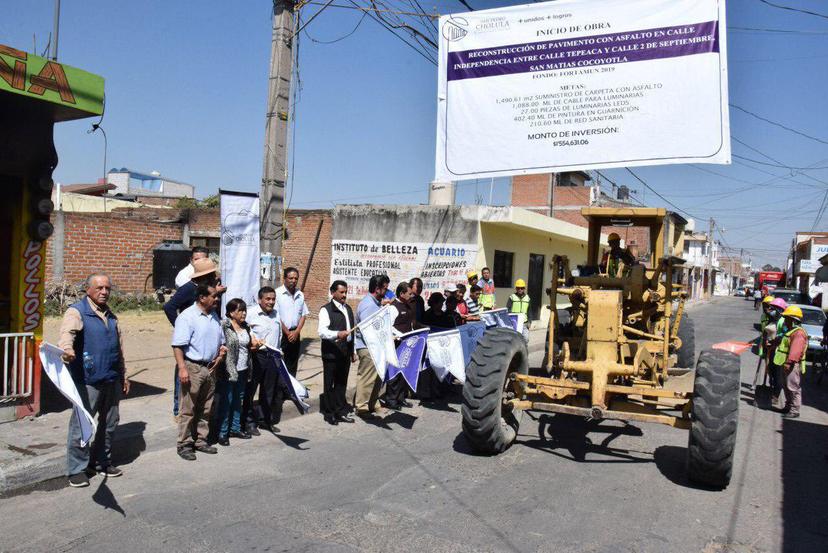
(581, 84)
(239, 247)
(356, 261)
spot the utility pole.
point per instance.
(55, 31)
(709, 260)
(274, 176)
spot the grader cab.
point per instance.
(623, 350)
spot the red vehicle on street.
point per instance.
(768, 281)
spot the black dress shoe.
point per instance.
(206, 449)
(330, 419)
(187, 454)
(344, 418)
(224, 440)
(790, 416)
(253, 430)
(240, 435)
(407, 404)
(393, 405)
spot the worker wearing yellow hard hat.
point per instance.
(790, 355)
(616, 263)
(519, 303)
(765, 318)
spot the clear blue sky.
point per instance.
(186, 87)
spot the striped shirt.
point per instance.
(474, 307)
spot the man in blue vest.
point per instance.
(93, 349)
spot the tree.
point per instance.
(192, 203)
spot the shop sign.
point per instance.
(32, 300)
(43, 79)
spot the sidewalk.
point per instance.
(33, 450)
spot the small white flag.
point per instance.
(445, 355)
(377, 333)
(58, 373)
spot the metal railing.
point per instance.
(18, 350)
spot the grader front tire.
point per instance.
(489, 428)
(715, 413)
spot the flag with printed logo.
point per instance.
(497, 318)
(410, 355)
(445, 355)
(377, 333)
(51, 358)
(295, 389)
(470, 334)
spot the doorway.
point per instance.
(535, 285)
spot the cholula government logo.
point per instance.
(455, 28)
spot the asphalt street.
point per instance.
(410, 483)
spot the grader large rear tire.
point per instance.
(489, 428)
(715, 413)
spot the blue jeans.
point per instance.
(230, 395)
(102, 400)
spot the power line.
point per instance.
(766, 120)
(783, 31)
(779, 165)
(821, 211)
(343, 37)
(799, 10)
(390, 30)
(653, 190)
(366, 9)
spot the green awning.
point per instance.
(69, 93)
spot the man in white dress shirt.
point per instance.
(266, 326)
(335, 323)
(185, 274)
(292, 312)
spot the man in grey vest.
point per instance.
(336, 320)
(93, 348)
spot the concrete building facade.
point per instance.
(134, 183)
(442, 243)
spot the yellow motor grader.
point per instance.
(625, 352)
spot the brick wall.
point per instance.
(204, 222)
(119, 243)
(315, 272)
(531, 191)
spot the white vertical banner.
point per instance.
(239, 214)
